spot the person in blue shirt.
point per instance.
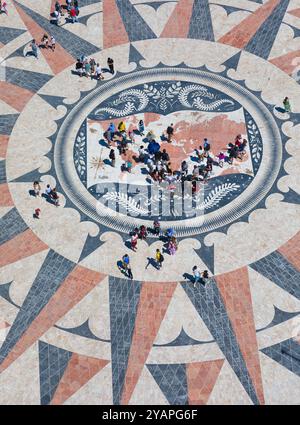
(141, 127)
(170, 233)
(153, 147)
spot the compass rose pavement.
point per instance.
(74, 329)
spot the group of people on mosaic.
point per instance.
(157, 160)
(89, 68)
(70, 11)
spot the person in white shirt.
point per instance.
(99, 75)
(197, 275)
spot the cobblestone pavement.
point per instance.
(73, 328)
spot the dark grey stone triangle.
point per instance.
(82, 330)
(280, 316)
(7, 123)
(53, 362)
(181, 340)
(134, 55)
(19, 52)
(11, 225)
(2, 171)
(136, 27)
(9, 34)
(277, 268)
(262, 42)
(31, 176)
(206, 253)
(210, 306)
(296, 31)
(233, 61)
(54, 101)
(291, 197)
(124, 297)
(83, 19)
(29, 80)
(172, 380)
(155, 5)
(286, 353)
(53, 272)
(4, 293)
(231, 9)
(201, 24)
(73, 44)
(90, 245)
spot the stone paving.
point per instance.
(76, 330)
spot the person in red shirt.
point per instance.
(73, 15)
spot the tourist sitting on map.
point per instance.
(150, 164)
(170, 233)
(233, 152)
(184, 168)
(112, 157)
(141, 127)
(122, 127)
(127, 166)
(206, 146)
(153, 147)
(142, 154)
(142, 232)
(112, 129)
(156, 227)
(150, 135)
(242, 148)
(221, 158)
(156, 176)
(200, 153)
(196, 171)
(109, 134)
(165, 156)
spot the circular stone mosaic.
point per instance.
(199, 104)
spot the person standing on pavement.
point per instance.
(159, 259)
(112, 157)
(126, 266)
(170, 132)
(287, 105)
(73, 15)
(110, 64)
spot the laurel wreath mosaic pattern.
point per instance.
(135, 206)
(165, 97)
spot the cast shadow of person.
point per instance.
(152, 262)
